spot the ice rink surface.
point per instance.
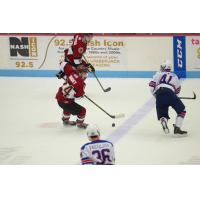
(31, 130)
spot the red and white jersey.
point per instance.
(73, 88)
(79, 45)
(165, 79)
(67, 69)
(74, 54)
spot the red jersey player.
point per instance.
(74, 54)
(71, 89)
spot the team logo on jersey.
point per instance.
(80, 50)
(23, 47)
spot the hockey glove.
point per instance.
(60, 74)
(90, 68)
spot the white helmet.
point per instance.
(166, 66)
(93, 130)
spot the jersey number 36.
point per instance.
(102, 155)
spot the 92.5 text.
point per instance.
(22, 64)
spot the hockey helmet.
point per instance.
(93, 130)
(166, 66)
(82, 71)
(88, 36)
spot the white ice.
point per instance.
(31, 130)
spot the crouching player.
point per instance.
(165, 86)
(97, 151)
(73, 88)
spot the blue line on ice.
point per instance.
(131, 122)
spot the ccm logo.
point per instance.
(179, 53)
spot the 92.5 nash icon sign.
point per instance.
(23, 47)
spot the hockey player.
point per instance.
(73, 88)
(165, 87)
(74, 54)
(97, 151)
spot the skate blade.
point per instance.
(69, 124)
(166, 131)
(177, 135)
(82, 127)
(165, 128)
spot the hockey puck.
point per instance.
(113, 124)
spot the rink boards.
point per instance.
(113, 55)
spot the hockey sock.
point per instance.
(180, 118)
(81, 116)
(80, 120)
(179, 121)
(66, 116)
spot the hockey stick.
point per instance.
(105, 90)
(112, 116)
(194, 97)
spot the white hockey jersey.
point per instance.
(100, 152)
(165, 79)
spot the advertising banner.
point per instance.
(32, 52)
(125, 53)
(179, 56)
(193, 53)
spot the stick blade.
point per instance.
(121, 115)
(195, 96)
(108, 89)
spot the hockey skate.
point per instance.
(82, 125)
(164, 125)
(177, 130)
(67, 122)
